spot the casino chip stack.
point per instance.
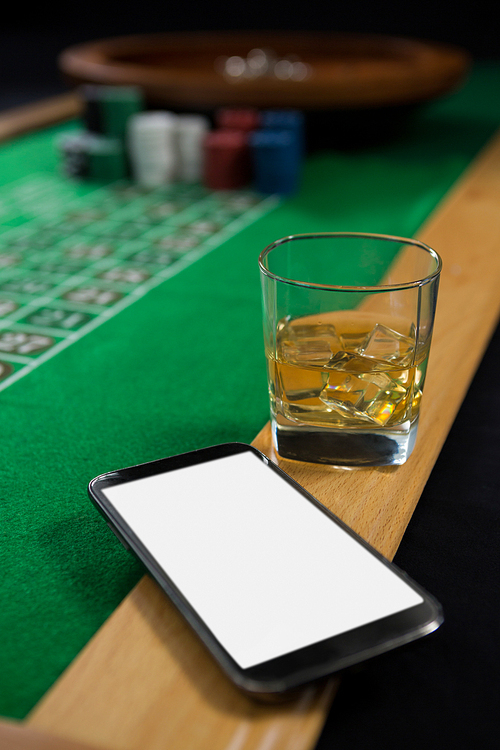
(108, 108)
(160, 147)
(92, 116)
(227, 163)
(152, 147)
(276, 161)
(118, 104)
(99, 153)
(74, 151)
(238, 118)
(92, 156)
(277, 151)
(191, 133)
(285, 119)
(107, 160)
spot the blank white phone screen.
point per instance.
(266, 570)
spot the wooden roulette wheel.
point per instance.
(348, 74)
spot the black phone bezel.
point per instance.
(291, 670)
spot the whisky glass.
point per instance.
(348, 321)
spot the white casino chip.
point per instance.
(152, 146)
(191, 131)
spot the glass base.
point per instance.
(353, 448)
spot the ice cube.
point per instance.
(307, 344)
(298, 383)
(348, 414)
(304, 395)
(349, 362)
(306, 351)
(382, 381)
(384, 344)
(313, 330)
(343, 396)
(343, 388)
(352, 342)
(383, 397)
(385, 406)
(372, 397)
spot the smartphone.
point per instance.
(280, 590)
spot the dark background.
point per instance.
(30, 39)
(442, 692)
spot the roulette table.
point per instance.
(131, 330)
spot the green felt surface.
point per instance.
(181, 368)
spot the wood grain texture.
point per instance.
(16, 736)
(145, 682)
(164, 690)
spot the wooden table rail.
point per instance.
(29, 117)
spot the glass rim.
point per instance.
(352, 235)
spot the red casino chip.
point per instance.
(227, 163)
